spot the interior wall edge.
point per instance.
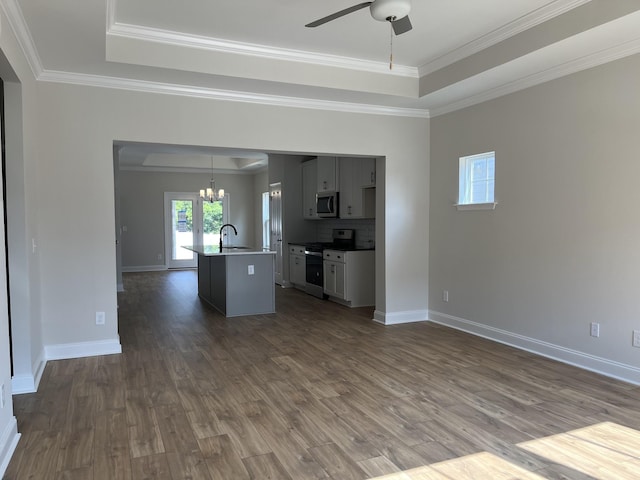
(8, 444)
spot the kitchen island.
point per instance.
(236, 281)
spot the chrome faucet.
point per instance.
(222, 228)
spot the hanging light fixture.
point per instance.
(210, 194)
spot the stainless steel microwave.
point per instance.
(327, 204)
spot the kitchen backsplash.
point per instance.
(365, 230)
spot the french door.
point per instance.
(183, 227)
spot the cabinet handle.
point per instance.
(349, 209)
(333, 269)
(373, 177)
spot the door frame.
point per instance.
(196, 222)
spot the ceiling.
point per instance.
(460, 52)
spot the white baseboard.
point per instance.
(144, 268)
(396, 318)
(8, 443)
(609, 368)
(28, 383)
(82, 349)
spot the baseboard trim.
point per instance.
(603, 366)
(8, 444)
(144, 268)
(82, 349)
(29, 383)
(397, 318)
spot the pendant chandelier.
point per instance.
(210, 194)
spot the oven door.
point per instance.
(315, 283)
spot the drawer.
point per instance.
(334, 255)
(296, 249)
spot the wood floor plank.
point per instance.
(222, 458)
(266, 467)
(313, 391)
(76, 449)
(112, 458)
(188, 466)
(151, 467)
(336, 462)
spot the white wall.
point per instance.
(142, 210)
(561, 248)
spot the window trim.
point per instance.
(473, 205)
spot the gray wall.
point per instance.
(142, 210)
(561, 249)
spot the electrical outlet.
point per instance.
(159, 256)
(251, 270)
(595, 329)
(100, 318)
(2, 396)
(636, 338)
(445, 295)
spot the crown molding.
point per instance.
(227, 95)
(589, 61)
(271, 53)
(199, 171)
(509, 30)
(19, 27)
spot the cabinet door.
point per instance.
(346, 165)
(329, 277)
(366, 172)
(297, 270)
(341, 284)
(309, 189)
(327, 174)
(350, 191)
(334, 279)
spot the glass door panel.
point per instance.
(183, 226)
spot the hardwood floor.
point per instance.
(316, 391)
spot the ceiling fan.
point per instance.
(395, 12)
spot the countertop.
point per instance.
(214, 250)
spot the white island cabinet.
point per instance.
(349, 277)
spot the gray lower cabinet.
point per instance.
(237, 285)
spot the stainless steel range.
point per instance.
(343, 239)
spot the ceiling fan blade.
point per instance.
(339, 14)
(401, 26)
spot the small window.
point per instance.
(477, 179)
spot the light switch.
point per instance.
(250, 270)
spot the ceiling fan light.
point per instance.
(396, 9)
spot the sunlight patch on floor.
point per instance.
(481, 465)
(604, 451)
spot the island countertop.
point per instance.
(214, 250)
